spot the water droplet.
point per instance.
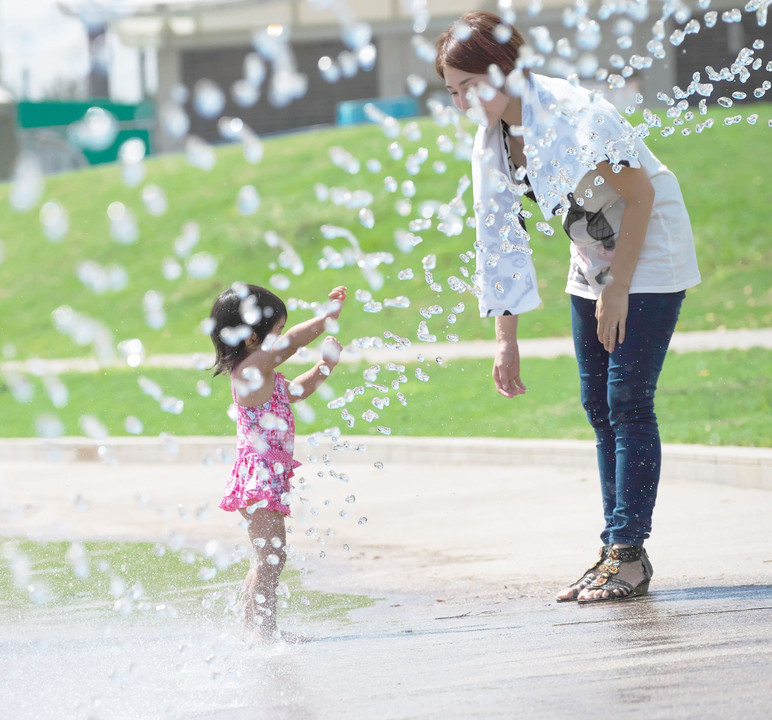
(731, 16)
(174, 120)
(28, 183)
(123, 225)
(133, 425)
(408, 188)
(96, 131)
(244, 93)
(132, 351)
(403, 207)
(207, 573)
(362, 521)
(171, 269)
(248, 200)
(49, 426)
(201, 265)
(545, 228)
(53, 218)
(153, 307)
(92, 427)
(199, 153)
(208, 99)
(154, 200)
(416, 85)
(77, 557)
(171, 405)
(366, 218)
(344, 160)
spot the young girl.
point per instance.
(632, 258)
(249, 345)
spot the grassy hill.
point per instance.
(720, 398)
(722, 172)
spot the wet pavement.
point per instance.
(694, 653)
(463, 561)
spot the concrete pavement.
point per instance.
(463, 546)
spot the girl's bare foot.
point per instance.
(260, 635)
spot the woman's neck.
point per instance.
(512, 114)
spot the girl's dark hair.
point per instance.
(233, 308)
(481, 49)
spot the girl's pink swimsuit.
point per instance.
(265, 441)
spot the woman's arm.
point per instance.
(506, 364)
(634, 186)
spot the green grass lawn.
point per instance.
(717, 398)
(722, 172)
(142, 580)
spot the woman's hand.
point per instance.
(337, 297)
(506, 364)
(634, 186)
(611, 314)
(506, 371)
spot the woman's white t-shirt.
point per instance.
(667, 261)
(567, 132)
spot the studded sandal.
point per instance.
(609, 568)
(587, 577)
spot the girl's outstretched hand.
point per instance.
(331, 350)
(337, 297)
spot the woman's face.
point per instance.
(459, 82)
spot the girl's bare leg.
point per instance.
(250, 599)
(268, 537)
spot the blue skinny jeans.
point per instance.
(617, 393)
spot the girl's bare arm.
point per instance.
(307, 383)
(275, 350)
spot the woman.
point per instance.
(632, 258)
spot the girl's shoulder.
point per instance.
(248, 391)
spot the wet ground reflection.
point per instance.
(681, 653)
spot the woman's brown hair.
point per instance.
(481, 49)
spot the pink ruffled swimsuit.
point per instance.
(265, 441)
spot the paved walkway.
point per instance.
(461, 542)
(534, 347)
(463, 560)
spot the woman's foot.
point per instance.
(572, 591)
(623, 575)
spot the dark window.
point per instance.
(718, 47)
(224, 66)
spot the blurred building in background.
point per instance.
(210, 40)
(280, 65)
